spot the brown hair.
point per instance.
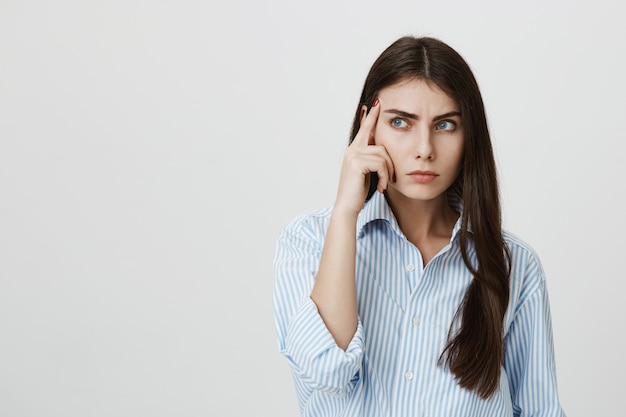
(474, 352)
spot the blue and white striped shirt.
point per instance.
(405, 311)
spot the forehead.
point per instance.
(417, 95)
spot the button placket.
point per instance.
(410, 266)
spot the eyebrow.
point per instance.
(416, 117)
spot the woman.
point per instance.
(406, 298)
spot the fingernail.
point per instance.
(375, 103)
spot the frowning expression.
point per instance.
(421, 128)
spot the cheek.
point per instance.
(383, 136)
(461, 150)
(458, 155)
(390, 146)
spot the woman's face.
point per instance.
(421, 128)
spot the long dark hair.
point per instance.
(475, 351)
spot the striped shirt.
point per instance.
(405, 310)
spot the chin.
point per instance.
(416, 195)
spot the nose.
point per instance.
(423, 144)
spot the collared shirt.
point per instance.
(390, 367)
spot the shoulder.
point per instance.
(527, 274)
(524, 259)
(520, 250)
(309, 226)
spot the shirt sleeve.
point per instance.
(529, 356)
(316, 361)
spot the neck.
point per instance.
(421, 221)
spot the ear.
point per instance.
(363, 113)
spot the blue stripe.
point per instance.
(405, 311)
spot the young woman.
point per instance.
(406, 298)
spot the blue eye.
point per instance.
(399, 123)
(446, 125)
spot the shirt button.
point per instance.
(410, 267)
(416, 320)
(408, 375)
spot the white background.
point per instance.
(150, 151)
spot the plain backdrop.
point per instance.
(150, 152)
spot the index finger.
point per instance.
(365, 135)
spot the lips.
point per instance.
(422, 177)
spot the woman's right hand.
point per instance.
(362, 158)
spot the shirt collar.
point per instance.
(377, 208)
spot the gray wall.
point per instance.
(150, 151)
